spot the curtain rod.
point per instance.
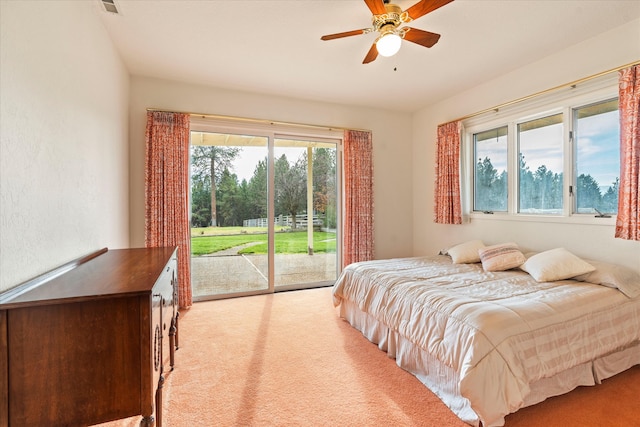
(543, 92)
(257, 121)
(335, 128)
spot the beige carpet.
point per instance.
(289, 360)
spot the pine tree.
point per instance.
(211, 161)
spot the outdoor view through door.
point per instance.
(264, 213)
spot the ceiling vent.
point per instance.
(110, 6)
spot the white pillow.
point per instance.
(555, 264)
(622, 278)
(501, 257)
(466, 253)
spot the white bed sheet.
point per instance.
(495, 334)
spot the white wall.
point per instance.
(63, 137)
(391, 146)
(609, 50)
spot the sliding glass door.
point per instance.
(264, 212)
(305, 206)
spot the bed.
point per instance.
(491, 342)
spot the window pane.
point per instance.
(540, 158)
(490, 170)
(597, 147)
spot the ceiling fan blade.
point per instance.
(425, 6)
(371, 55)
(376, 6)
(421, 37)
(345, 34)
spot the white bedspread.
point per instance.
(500, 331)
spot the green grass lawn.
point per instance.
(286, 242)
(218, 231)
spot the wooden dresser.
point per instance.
(90, 341)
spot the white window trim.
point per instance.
(563, 101)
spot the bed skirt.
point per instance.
(443, 380)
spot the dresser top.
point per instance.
(124, 272)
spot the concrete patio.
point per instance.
(226, 272)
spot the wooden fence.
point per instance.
(284, 221)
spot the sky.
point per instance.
(245, 164)
(598, 148)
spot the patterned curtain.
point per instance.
(448, 209)
(167, 191)
(628, 218)
(358, 184)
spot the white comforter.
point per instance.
(500, 331)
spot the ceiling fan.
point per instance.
(387, 19)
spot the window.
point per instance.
(490, 170)
(540, 145)
(553, 158)
(597, 148)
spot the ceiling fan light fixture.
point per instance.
(387, 20)
(388, 44)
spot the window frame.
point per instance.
(575, 136)
(564, 101)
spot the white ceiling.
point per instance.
(274, 47)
